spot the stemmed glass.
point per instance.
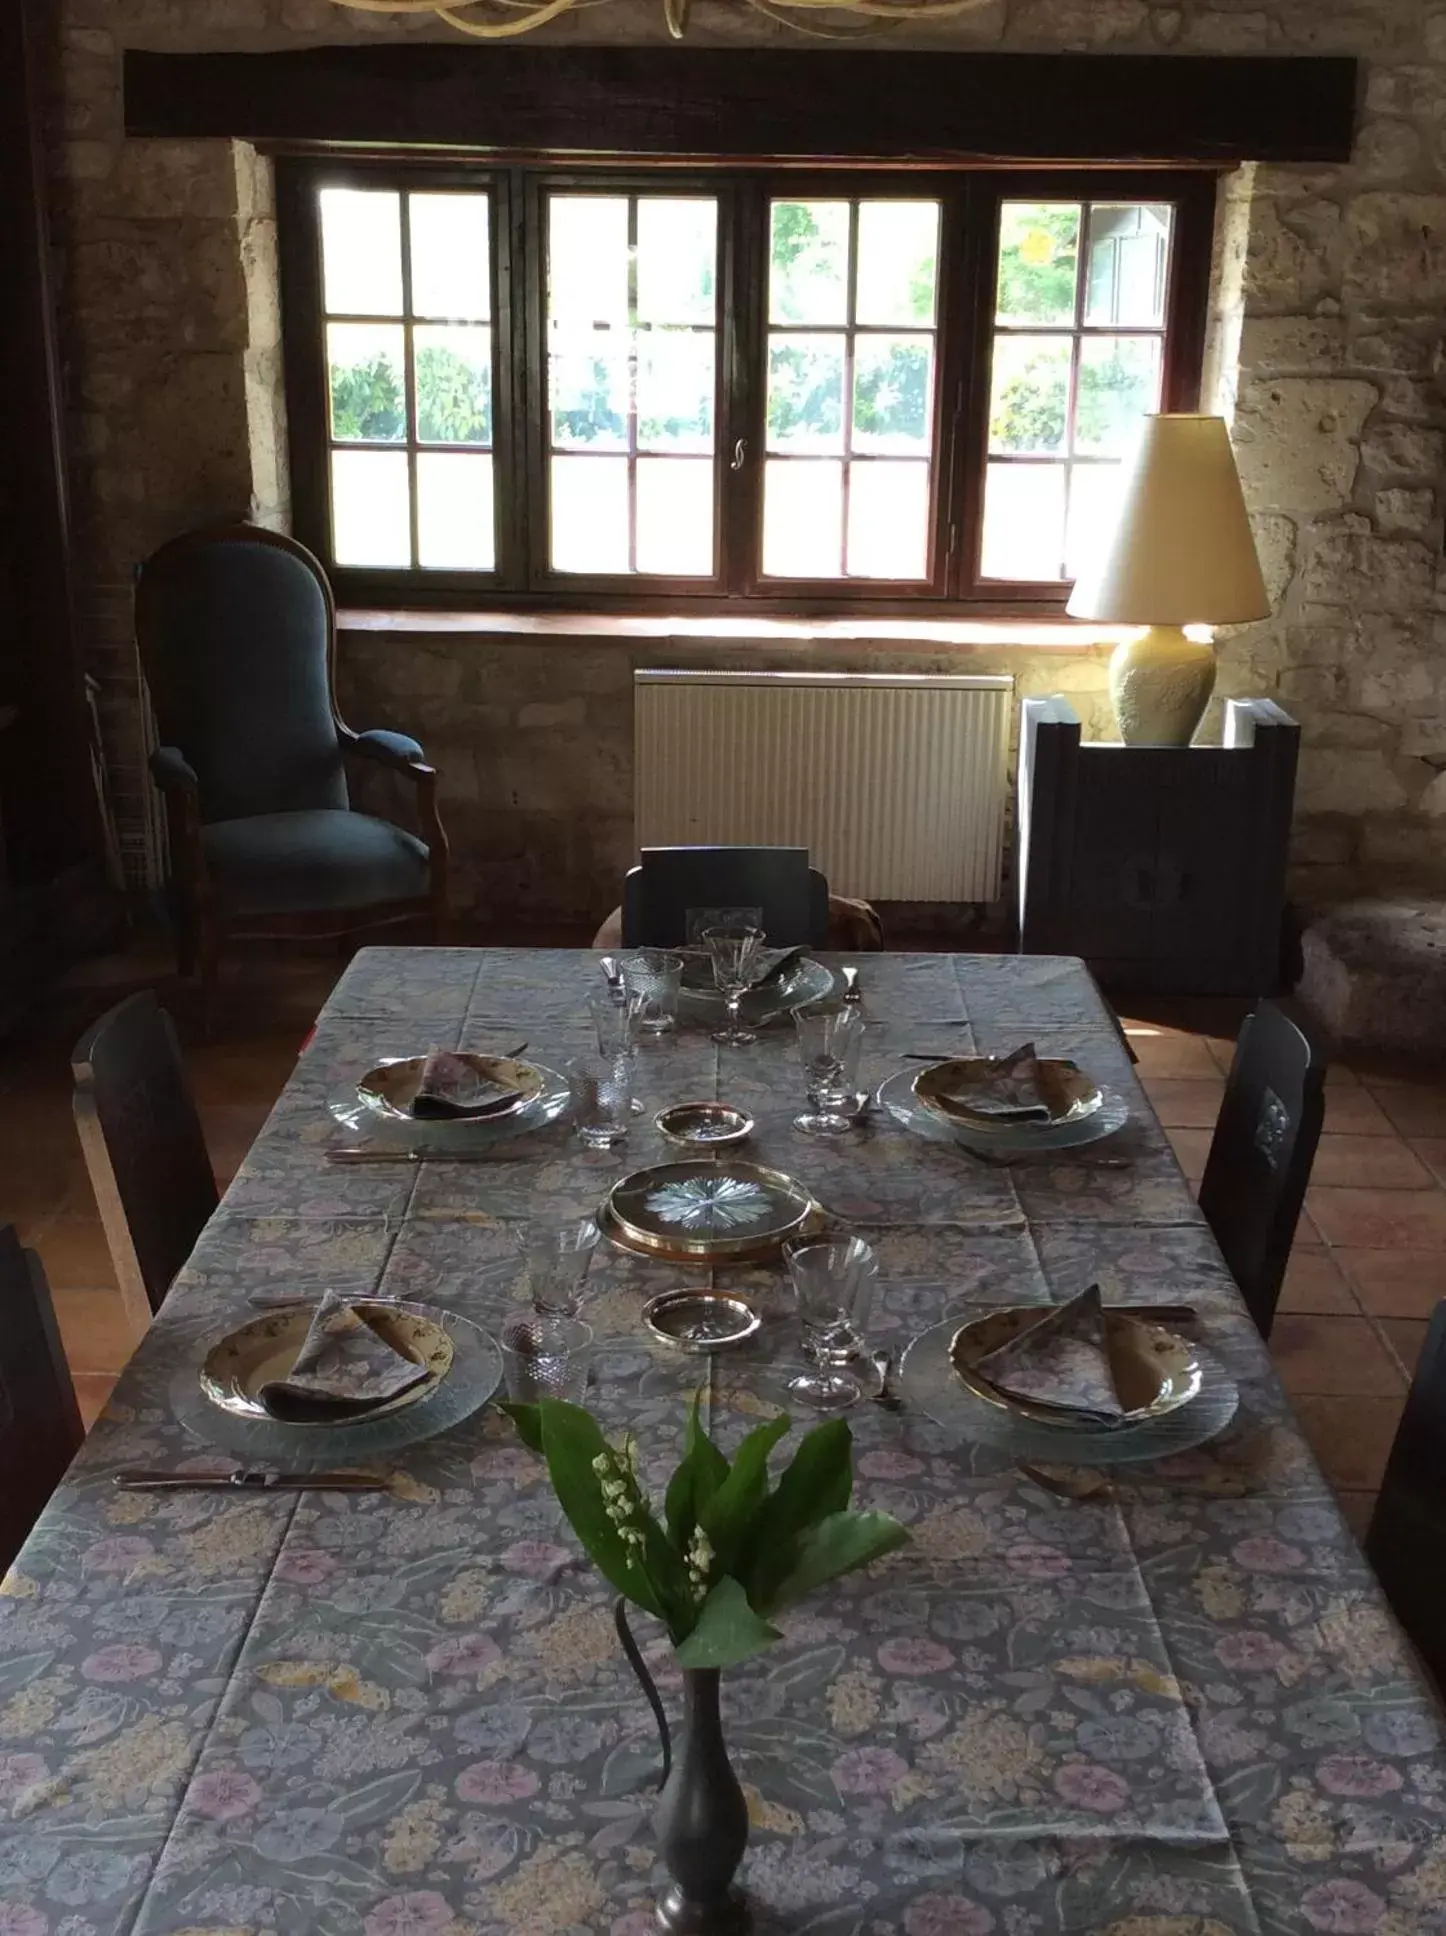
(833, 1282)
(734, 954)
(556, 1257)
(829, 1042)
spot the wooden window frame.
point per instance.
(970, 201)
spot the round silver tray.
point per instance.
(896, 1095)
(700, 1321)
(927, 1378)
(704, 1125)
(709, 1211)
(806, 981)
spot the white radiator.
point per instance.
(895, 782)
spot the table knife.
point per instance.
(247, 1479)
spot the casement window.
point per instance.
(773, 390)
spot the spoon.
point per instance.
(882, 1363)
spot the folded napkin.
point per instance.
(343, 1366)
(1017, 1088)
(1062, 1361)
(451, 1087)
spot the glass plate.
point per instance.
(896, 1095)
(237, 1366)
(1085, 1094)
(455, 1138)
(806, 981)
(474, 1377)
(927, 1379)
(707, 1209)
(391, 1087)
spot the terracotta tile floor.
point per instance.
(1369, 1262)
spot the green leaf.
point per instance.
(727, 1630)
(729, 1514)
(701, 1471)
(817, 1481)
(836, 1545)
(571, 1440)
(528, 1420)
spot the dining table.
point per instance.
(1174, 1706)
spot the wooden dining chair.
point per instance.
(1406, 1539)
(40, 1425)
(144, 1148)
(1261, 1153)
(675, 891)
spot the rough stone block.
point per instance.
(1406, 510)
(1404, 450)
(1375, 971)
(1396, 248)
(1332, 781)
(1297, 439)
(1346, 566)
(1293, 258)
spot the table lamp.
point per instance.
(1181, 554)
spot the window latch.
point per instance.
(740, 454)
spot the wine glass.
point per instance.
(829, 1043)
(833, 1282)
(733, 952)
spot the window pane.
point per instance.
(1129, 260)
(451, 257)
(454, 512)
(803, 519)
(587, 258)
(809, 262)
(1038, 254)
(805, 392)
(1023, 521)
(675, 516)
(454, 385)
(588, 380)
(370, 508)
(893, 394)
(1119, 380)
(675, 390)
(1094, 496)
(898, 262)
(888, 520)
(590, 514)
(677, 260)
(361, 251)
(1029, 393)
(368, 386)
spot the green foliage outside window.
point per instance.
(454, 400)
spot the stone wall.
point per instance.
(1327, 346)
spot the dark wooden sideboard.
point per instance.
(1164, 866)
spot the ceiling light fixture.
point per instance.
(502, 19)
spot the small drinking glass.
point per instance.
(653, 978)
(556, 1256)
(833, 1282)
(602, 1096)
(545, 1357)
(733, 953)
(614, 1013)
(829, 1042)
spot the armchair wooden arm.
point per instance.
(181, 791)
(401, 754)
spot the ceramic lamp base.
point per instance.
(1161, 683)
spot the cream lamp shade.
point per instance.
(1181, 554)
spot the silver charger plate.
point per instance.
(806, 981)
(896, 1095)
(711, 1210)
(472, 1379)
(457, 1137)
(927, 1378)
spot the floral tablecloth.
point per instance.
(1182, 1710)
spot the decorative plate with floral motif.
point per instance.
(707, 1209)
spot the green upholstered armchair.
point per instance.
(237, 633)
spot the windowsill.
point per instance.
(599, 627)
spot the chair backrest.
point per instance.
(235, 627)
(1262, 1151)
(143, 1147)
(677, 891)
(40, 1428)
(1406, 1540)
